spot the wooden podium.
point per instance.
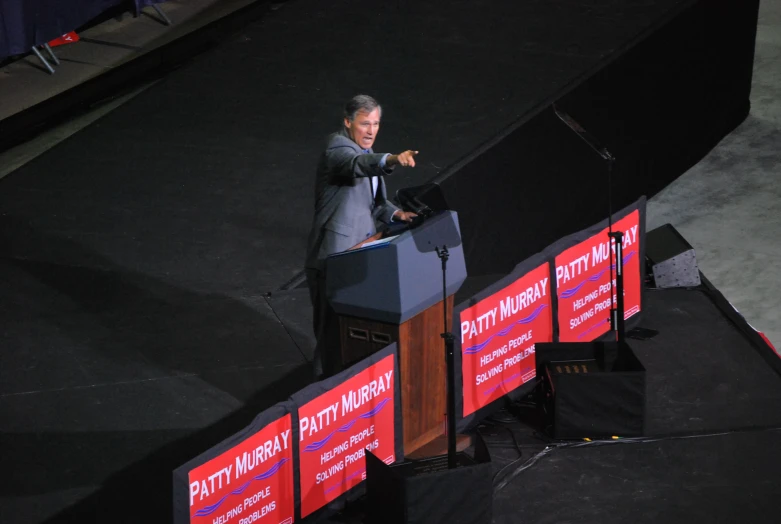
(391, 291)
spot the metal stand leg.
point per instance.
(162, 14)
(43, 60)
(449, 339)
(51, 54)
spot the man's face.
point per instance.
(363, 129)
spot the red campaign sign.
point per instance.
(583, 282)
(251, 482)
(498, 336)
(67, 38)
(767, 341)
(336, 428)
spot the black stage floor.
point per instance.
(731, 477)
(137, 255)
(205, 181)
(713, 429)
(713, 425)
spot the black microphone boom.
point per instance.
(409, 202)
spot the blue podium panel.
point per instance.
(394, 279)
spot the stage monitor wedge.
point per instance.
(672, 259)
(592, 389)
(428, 492)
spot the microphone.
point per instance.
(409, 201)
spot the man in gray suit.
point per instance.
(350, 198)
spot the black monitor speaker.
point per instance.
(671, 258)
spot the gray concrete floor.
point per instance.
(728, 206)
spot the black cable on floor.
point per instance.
(631, 440)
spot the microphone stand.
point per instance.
(616, 258)
(449, 339)
(616, 238)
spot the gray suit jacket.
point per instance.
(346, 212)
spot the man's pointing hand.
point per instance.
(405, 159)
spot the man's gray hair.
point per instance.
(360, 103)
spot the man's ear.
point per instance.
(347, 123)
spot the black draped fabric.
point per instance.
(25, 23)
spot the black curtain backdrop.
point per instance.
(659, 108)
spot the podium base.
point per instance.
(438, 446)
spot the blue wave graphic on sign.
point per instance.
(479, 347)
(569, 292)
(208, 510)
(315, 446)
(593, 278)
(511, 377)
(592, 328)
(329, 490)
